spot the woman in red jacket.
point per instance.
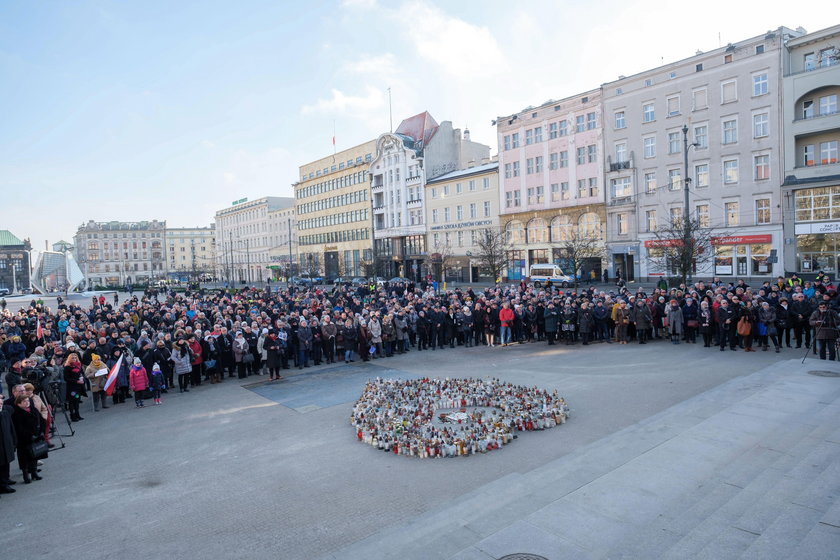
(138, 380)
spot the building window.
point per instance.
(650, 182)
(732, 218)
(591, 154)
(650, 147)
(810, 61)
(486, 208)
(538, 163)
(828, 57)
(703, 219)
(472, 185)
(673, 142)
(565, 192)
(517, 198)
(529, 166)
(486, 183)
(580, 123)
(698, 67)
(828, 152)
(514, 140)
(509, 199)
(552, 131)
(446, 215)
(621, 152)
(508, 175)
(581, 192)
(761, 165)
(648, 113)
(621, 223)
(700, 99)
(619, 120)
(762, 211)
(458, 188)
(593, 186)
(538, 134)
(589, 225)
(730, 131)
(564, 159)
(621, 187)
(507, 142)
(561, 228)
(701, 137)
(552, 160)
(540, 191)
(759, 49)
(648, 82)
(555, 192)
(515, 169)
(729, 91)
(674, 179)
(701, 175)
(581, 155)
(459, 212)
(760, 84)
(676, 216)
(591, 122)
(673, 105)
(537, 231)
(446, 187)
(828, 104)
(650, 219)
(761, 125)
(530, 196)
(808, 155)
(727, 58)
(564, 128)
(529, 137)
(730, 171)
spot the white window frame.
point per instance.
(769, 210)
(723, 85)
(760, 87)
(645, 112)
(725, 169)
(649, 143)
(761, 129)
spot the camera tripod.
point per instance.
(55, 400)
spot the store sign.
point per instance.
(829, 227)
(658, 243)
(742, 240)
(461, 225)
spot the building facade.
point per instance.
(283, 240)
(725, 105)
(551, 181)
(418, 151)
(14, 262)
(811, 189)
(332, 203)
(191, 253)
(243, 239)
(460, 206)
(115, 254)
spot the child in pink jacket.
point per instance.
(138, 380)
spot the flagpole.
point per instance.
(333, 140)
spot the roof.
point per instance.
(421, 128)
(478, 169)
(8, 238)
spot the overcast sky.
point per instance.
(138, 110)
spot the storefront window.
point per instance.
(723, 260)
(759, 254)
(817, 251)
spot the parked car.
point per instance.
(341, 280)
(396, 280)
(303, 280)
(5, 291)
(359, 281)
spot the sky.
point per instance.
(138, 110)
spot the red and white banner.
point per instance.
(111, 382)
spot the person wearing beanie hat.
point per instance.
(97, 374)
(138, 381)
(156, 383)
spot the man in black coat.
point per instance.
(8, 444)
(800, 312)
(727, 321)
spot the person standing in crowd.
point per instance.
(74, 380)
(674, 316)
(552, 316)
(8, 444)
(825, 322)
(241, 353)
(506, 318)
(182, 366)
(767, 317)
(94, 373)
(726, 321)
(28, 430)
(138, 380)
(622, 322)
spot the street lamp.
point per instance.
(686, 182)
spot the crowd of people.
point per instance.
(166, 340)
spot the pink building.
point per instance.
(551, 180)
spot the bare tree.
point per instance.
(442, 260)
(578, 248)
(492, 251)
(681, 248)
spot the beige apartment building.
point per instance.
(461, 206)
(191, 253)
(726, 106)
(811, 189)
(332, 206)
(120, 253)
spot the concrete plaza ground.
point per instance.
(671, 451)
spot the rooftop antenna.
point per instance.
(390, 113)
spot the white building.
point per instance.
(283, 241)
(244, 241)
(419, 150)
(120, 253)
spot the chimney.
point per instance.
(467, 134)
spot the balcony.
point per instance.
(816, 124)
(414, 203)
(412, 180)
(622, 200)
(378, 209)
(619, 165)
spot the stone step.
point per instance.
(821, 542)
(736, 524)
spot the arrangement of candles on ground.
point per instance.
(451, 417)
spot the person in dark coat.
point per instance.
(586, 322)
(551, 317)
(825, 322)
(273, 349)
(8, 444)
(28, 430)
(727, 320)
(74, 379)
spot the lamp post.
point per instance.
(686, 211)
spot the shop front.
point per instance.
(743, 256)
(624, 261)
(818, 247)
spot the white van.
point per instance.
(542, 273)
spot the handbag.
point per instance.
(210, 364)
(39, 449)
(247, 358)
(665, 321)
(692, 323)
(771, 329)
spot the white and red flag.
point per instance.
(111, 382)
